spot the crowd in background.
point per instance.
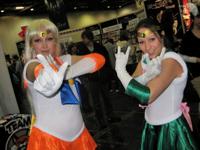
(15, 66)
(96, 87)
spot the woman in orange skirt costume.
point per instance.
(54, 90)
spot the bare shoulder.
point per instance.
(171, 66)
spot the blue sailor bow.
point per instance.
(67, 95)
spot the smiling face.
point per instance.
(41, 38)
(149, 42)
(44, 43)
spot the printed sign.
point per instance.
(14, 130)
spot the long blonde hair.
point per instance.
(35, 29)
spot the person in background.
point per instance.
(15, 80)
(114, 84)
(18, 66)
(189, 11)
(51, 82)
(166, 25)
(190, 45)
(97, 84)
(8, 60)
(124, 42)
(72, 49)
(190, 51)
(22, 57)
(158, 84)
(111, 48)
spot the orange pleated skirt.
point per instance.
(40, 140)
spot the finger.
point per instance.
(118, 49)
(143, 60)
(52, 63)
(154, 61)
(143, 56)
(128, 51)
(147, 58)
(52, 60)
(48, 60)
(43, 61)
(63, 69)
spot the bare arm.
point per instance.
(138, 70)
(147, 93)
(171, 69)
(30, 71)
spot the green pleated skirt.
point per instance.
(175, 135)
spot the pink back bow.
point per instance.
(185, 109)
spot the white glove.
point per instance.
(49, 81)
(151, 67)
(146, 77)
(120, 66)
(121, 59)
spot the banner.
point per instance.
(167, 14)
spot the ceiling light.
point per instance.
(19, 7)
(108, 6)
(75, 8)
(32, 9)
(2, 11)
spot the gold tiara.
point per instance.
(43, 34)
(147, 32)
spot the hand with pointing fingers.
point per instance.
(151, 68)
(120, 66)
(121, 59)
(50, 78)
(146, 62)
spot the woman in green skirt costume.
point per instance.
(158, 83)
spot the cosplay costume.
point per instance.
(59, 124)
(165, 128)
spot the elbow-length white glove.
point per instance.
(49, 81)
(120, 66)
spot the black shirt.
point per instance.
(104, 73)
(190, 46)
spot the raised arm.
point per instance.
(171, 69)
(85, 64)
(48, 77)
(154, 87)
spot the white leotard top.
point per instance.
(62, 121)
(166, 107)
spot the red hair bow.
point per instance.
(22, 33)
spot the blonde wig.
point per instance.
(35, 28)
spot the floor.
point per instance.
(126, 134)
